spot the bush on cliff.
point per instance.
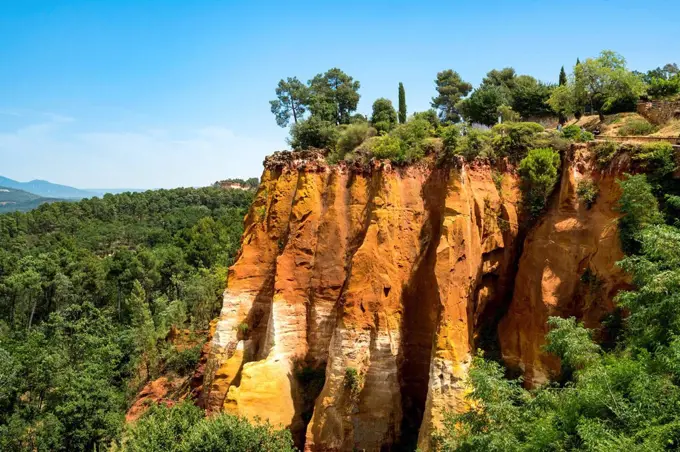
(539, 171)
(404, 144)
(514, 139)
(587, 191)
(313, 133)
(349, 138)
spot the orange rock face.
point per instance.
(360, 294)
(352, 309)
(568, 268)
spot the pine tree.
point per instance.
(563, 77)
(144, 329)
(402, 104)
(578, 61)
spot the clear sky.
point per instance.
(165, 93)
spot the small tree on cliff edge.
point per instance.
(402, 104)
(539, 173)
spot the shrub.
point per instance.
(432, 146)
(162, 428)
(386, 147)
(182, 361)
(350, 137)
(353, 382)
(227, 433)
(413, 132)
(587, 191)
(514, 139)
(497, 177)
(539, 173)
(450, 136)
(475, 143)
(639, 207)
(384, 116)
(605, 152)
(551, 138)
(184, 428)
(657, 158)
(508, 114)
(313, 133)
(636, 127)
(574, 132)
(571, 131)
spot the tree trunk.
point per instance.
(30, 320)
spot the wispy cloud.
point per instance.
(51, 150)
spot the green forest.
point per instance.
(88, 293)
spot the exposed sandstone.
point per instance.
(360, 293)
(379, 269)
(568, 268)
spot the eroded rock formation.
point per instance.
(568, 267)
(359, 294)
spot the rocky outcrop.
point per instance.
(360, 293)
(351, 311)
(568, 267)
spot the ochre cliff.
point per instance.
(567, 268)
(383, 271)
(360, 293)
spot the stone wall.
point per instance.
(659, 111)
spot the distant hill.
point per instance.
(46, 189)
(13, 200)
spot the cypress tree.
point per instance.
(563, 77)
(402, 104)
(578, 62)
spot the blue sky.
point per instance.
(150, 93)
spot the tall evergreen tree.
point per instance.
(451, 88)
(402, 104)
(563, 77)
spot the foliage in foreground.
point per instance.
(624, 399)
(184, 428)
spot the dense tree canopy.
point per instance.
(334, 96)
(88, 293)
(602, 84)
